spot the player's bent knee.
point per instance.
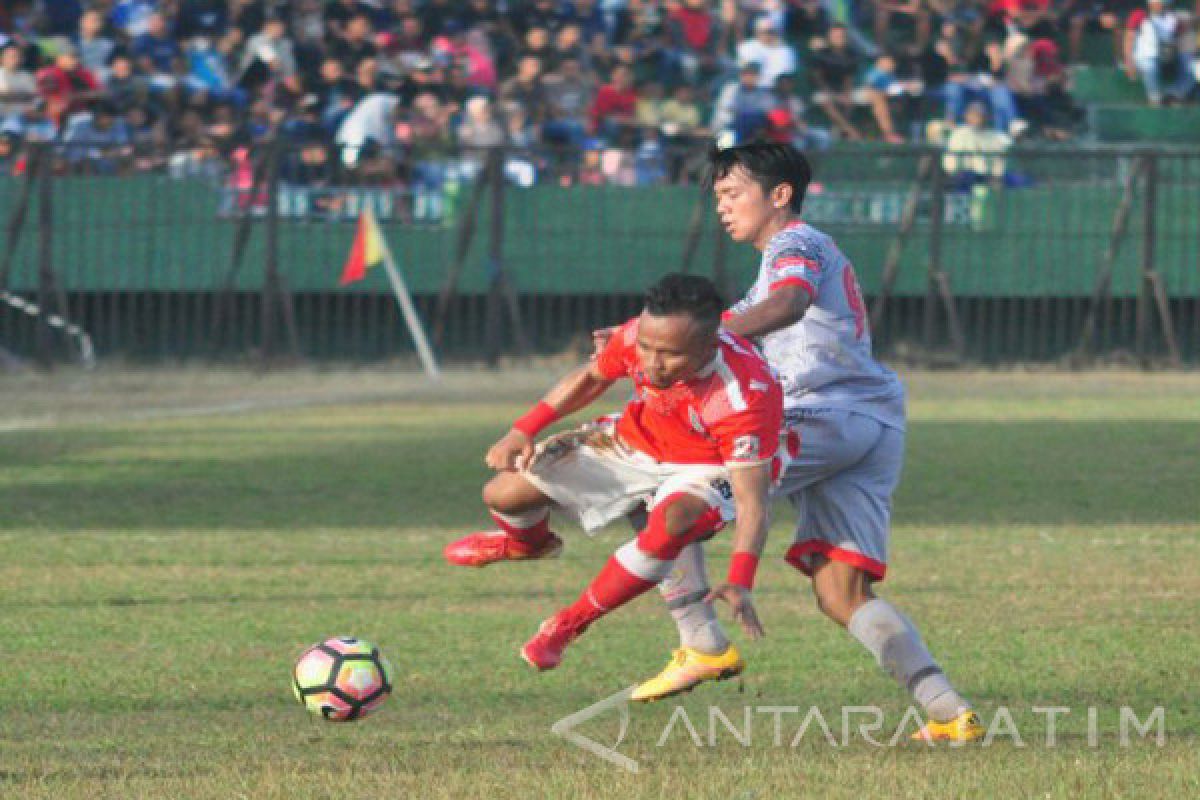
(509, 493)
(493, 494)
(681, 514)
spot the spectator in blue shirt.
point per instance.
(880, 85)
(95, 49)
(99, 138)
(156, 53)
(131, 17)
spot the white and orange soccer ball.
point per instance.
(342, 679)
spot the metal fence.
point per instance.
(1063, 256)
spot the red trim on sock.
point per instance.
(800, 550)
(613, 587)
(536, 535)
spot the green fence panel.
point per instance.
(155, 233)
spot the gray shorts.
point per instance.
(841, 486)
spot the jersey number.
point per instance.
(855, 298)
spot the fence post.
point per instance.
(16, 221)
(1102, 291)
(45, 254)
(243, 209)
(908, 219)
(1149, 206)
(937, 205)
(1152, 289)
(500, 291)
(938, 288)
(462, 246)
(695, 231)
(270, 287)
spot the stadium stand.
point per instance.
(201, 79)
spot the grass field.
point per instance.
(169, 543)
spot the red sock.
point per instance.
(533, 536)
(612, 588)
(615, 585)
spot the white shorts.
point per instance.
(841, 486)
(597, 478)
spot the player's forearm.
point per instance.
(577, 390)
(749, 539)
(750, 487)
(782, 307)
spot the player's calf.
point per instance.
(840, 589)
(844, 593)
(632, 570)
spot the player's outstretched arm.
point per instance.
(781, 308)
(750, 486)
(578, 389)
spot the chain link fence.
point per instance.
(1050, 255)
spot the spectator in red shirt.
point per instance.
(695, 40)
(615, 104)
(66, 85)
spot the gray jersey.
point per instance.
(824, 361)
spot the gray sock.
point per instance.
(898, 648)
(684, 590)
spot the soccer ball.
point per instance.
(342, 678)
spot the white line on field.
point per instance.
(51, 422)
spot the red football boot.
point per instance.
(488, 547)
(545, 650)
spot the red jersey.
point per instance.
(612, 102)
(65, 92)
(730, 412)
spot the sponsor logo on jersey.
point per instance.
(745, 448)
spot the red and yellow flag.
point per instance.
(367, 250)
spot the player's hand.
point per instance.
(512, 452)
(742, 604)
(601, 337)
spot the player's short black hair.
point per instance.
(693, 295)
(768, 163)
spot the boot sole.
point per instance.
(723, 675)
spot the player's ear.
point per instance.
(781, 195)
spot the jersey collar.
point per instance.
(708, 369)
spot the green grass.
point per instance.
(158, 574)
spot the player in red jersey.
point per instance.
(693, 447)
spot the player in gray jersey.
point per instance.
(844, 441)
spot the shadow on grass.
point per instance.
(958, 472)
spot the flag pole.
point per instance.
(404, 300)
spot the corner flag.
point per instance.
(370, 249)
(367, 250)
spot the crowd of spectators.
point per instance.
(192, 85)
